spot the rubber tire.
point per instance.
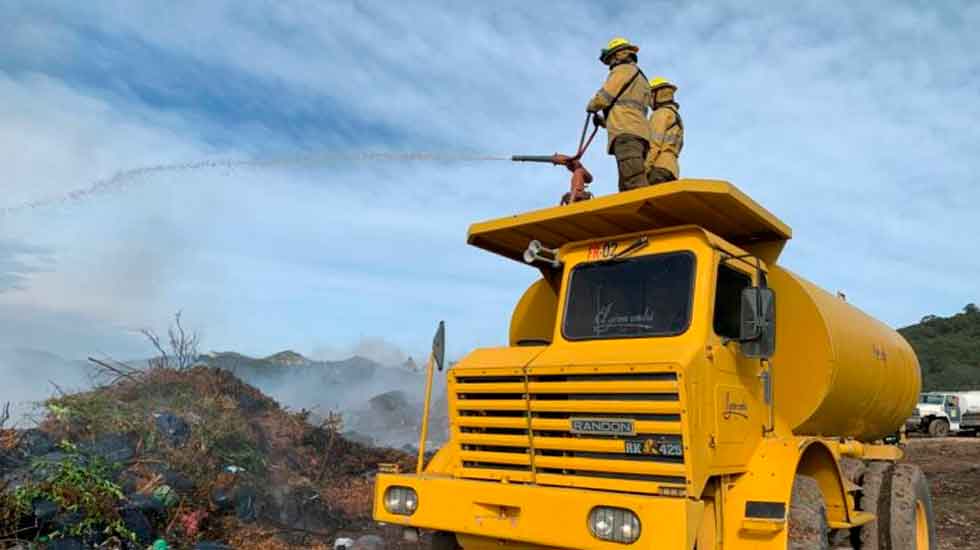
(808, 528)
(442, 540)
(853, 469)
(908, 486)
(875, 498)
(939, 427)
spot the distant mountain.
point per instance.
(288, 358)
(948, 349)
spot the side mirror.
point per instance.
(757, 327)
(439, 346)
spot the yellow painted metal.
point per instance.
(769, 477)
(613, 407)
(424, 431)
(443, 461)
(500, 360)
(534, 316)
(717, 206)
(709, 532)
(595, 387)
(612, 466)
(515, 475)
(818, 459)
(852, 375)
(858, 518)
(536, 516)
(869, 451)
(921, 526)
(557, 424)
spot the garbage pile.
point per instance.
(185, 459)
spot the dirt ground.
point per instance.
(952, 465)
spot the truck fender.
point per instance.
(818, 461)
(758, 500)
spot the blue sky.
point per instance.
(858, 125)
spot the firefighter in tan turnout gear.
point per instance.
(666, 133)
(622, 102)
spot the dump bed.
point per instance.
(715, 205)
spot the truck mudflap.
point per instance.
(484, 512)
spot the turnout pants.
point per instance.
(659, 175)
(630, 152)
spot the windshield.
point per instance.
(931, 399)
(644, 296)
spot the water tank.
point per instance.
(838, 371)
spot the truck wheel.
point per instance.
(853, 469)
(875, 493)
(444, 541)
(912, 526)
(939, 427)
(808, 528)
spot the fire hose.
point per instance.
(581, 178)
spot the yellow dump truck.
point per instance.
(668, 385)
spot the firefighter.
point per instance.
(621, 106)
(666, 133)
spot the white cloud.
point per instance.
(856, 125)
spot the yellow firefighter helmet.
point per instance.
(617, 44)
(658, 82)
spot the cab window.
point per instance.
(728, 300)
(630, 298)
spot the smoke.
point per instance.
(376, 349)
(31, 376)
(369, 382)
(380, 401)
(125, 178)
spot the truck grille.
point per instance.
(576, 420)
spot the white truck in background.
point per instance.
(940, 413)
(970, 415)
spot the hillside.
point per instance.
(948, 349)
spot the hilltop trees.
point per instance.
(948, 349)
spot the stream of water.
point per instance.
(124, 178)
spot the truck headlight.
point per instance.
(401, 500)
(614, 524)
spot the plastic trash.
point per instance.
(173, 428)
(165, 495)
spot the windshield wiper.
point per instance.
(638, 244)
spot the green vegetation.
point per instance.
(209, 399)
(76, 484)
(948, 349)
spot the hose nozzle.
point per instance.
(550, 159)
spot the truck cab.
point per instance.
(665, 384)
(939, 414)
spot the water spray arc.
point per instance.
(126, 178)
